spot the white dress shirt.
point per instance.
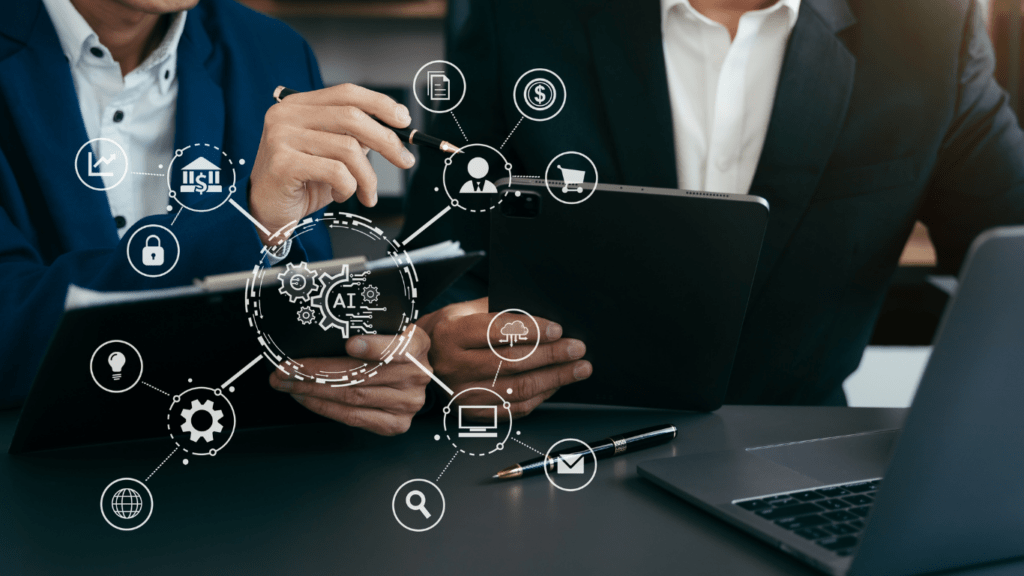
(722, 90)
(136, 111)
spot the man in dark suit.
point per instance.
(883, 113)
(162, 75)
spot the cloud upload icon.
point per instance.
(514, 332)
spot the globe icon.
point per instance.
(126, 503)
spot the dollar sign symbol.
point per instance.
(539, 95)
(201, 183)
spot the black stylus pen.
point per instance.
(410, 135)
(606, 448)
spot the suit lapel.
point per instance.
(630, 64)
(36, 83)
(199, 118)
(810, 108)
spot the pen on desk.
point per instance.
(605, 448)
(409, 135)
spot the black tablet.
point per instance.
(198, 336)
(654, 281)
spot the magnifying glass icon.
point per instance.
(418, 507)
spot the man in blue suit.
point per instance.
(158, 75)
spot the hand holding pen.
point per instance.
(311, 152)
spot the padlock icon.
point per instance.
(152, 255)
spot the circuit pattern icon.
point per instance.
(341, 300)
(335, 300)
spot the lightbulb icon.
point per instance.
(116, 361)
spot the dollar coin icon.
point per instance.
(539, 94)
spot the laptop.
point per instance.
(946, 491)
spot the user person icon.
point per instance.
(478, 183)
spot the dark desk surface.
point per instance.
(317, 498)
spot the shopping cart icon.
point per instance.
(573, 179)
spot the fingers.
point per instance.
(481, 364)
(371, 102)
(374, 347)
(405, 396)
(520, 409)
(335, 174)
(376, 421)
(351, 121)
(471, 331)
(530, 385)
(346, 150)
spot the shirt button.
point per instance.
(118, 116)
(96, 52)
(167, 74)
(119, 221)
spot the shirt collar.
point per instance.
(76, 37)
(792, 8)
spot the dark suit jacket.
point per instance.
(54, 231)
(886, 113)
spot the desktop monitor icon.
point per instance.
(484, 429)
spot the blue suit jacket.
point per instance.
(54, 231)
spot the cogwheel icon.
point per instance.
(215, 426)
(306, 315)
(297, 282)
(370, 294)
(329, 282)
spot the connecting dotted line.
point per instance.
(460, 126)
(157, 389)
(496, 374)
(512, 132)
(162, 463)
(530, 447)
(534, 177)
(147, 174)
(446, 467)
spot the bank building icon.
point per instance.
(200, 176)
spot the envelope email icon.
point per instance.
(570, 463)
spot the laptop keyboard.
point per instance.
(833, 517)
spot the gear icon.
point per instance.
(329, 282)
(298, 283)
(215, 416)
(370, 294)
(307, 315)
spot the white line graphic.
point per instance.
(431, 374)
(254, 362)
(249, 216)
(427, 225)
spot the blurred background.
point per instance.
(381, 44)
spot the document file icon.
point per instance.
(437, 86)
(570, 463)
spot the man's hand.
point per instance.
(313, 151)
(384, 404)
(461, 358)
